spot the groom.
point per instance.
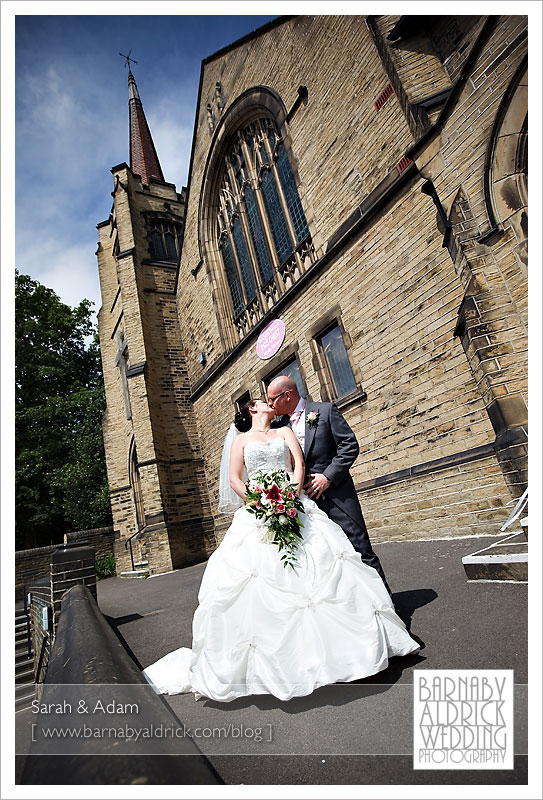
(330, 448)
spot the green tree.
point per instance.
(61, 482)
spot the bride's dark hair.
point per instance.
(242, 419)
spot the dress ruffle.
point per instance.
(262, 628)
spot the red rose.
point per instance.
(280, 507)
(292, 512)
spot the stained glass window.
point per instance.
(232, 277)
(244, 262)
(291, 194)
(260, 217)
(258, 236)
(157, 245)
(171, 252)
(276, 217)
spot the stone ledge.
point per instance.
(427, 467)
(87, 652)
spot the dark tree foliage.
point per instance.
(60, 479)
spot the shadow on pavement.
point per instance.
(407, 603)
(324, 696)
(327, 695)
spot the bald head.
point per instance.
(283, 395)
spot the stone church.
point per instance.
(359, 185)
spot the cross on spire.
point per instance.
(128, 60)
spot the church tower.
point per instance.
(157, 484)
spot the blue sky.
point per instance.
(71, 110)
(71, 123)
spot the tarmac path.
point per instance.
(358, 733)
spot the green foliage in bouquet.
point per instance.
(272, 498)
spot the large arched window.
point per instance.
(506, 169)
(262, 234)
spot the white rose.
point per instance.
(282, 519)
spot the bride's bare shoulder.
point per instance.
(240, 441)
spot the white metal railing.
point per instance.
(521, 504)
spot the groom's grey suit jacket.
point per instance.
(331, 448)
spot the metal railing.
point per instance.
(128, 543)
(521, 504)
(27, 618)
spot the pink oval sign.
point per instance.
(270, 339)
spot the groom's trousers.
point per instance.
(349, 517)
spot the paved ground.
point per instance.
(357, 733)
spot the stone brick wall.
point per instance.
(422, 403)
(398, 290)
(419, 68)
(141, 303)
(341, 147)
(465, 500)
(71, 566)
(35, 563)
(67, 567)
(432, 300)
(487, 239)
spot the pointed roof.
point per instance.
(143, 156)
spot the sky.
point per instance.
(71, 124)
(71, 111)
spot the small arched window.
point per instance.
(135, 484)
(165, 240)
(262, 233)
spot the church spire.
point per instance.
(143, 156)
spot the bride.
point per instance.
(263, 628)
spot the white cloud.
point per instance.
(64, 153)
(69, 269)
(173, 142)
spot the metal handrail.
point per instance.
(129, 542)
(517, 511)
(44, 643)
(27, 618)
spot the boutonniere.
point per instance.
(313, 418)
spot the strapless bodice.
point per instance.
(267, 456)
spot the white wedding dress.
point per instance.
(262, 628)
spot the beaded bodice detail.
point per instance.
(267, 456)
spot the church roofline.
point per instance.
(274, 23)
(124, 165)
(248, 37)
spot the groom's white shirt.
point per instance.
(298, 426)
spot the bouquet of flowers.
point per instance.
(272, 499)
